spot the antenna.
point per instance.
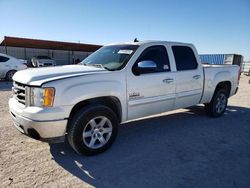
(136, 40)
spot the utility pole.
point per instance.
(5, 45)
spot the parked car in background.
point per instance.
(42, 61)
(10, 65)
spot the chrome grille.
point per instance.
(19, 92)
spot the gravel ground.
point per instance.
(183, 148)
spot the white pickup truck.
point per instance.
(117, 83)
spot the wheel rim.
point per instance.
(221, 103)
(10, 74)
(97, 132)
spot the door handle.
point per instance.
(196, 77)
(168, 80)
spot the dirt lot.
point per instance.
(183, 149)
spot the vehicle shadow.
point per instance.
(5, 85)
(185, 149)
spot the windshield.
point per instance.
(113, 57)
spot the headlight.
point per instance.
(42, 96)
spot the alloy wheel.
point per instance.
(221, 103)
(97, 132)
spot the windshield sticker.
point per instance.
(128, 52)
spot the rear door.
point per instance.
(154, 92)
(189, 76)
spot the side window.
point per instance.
(3, 59)
(184, 58)
(159, 55)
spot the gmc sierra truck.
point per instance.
(117, 83)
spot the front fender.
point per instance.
(77, 93)
(71, 91)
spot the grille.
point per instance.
(19, 92)
(47, 64)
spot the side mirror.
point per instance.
(146, 66)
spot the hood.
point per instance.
(37, 76)
(45, 60)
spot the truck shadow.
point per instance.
(180, 149)
(5, 85)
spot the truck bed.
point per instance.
(213, 74)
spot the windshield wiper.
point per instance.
(97, 65)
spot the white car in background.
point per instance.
(42, 61)
(9, 66)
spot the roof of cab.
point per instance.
(150, 42)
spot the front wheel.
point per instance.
(92, 130)
(218, 104)
(34, 63)
(10, 74)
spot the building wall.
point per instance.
(2, 50)
(62, 57)
(231, 59)
(212, 58)
(245, 67)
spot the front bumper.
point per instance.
(40, 129)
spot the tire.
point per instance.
(10, 74)
(92, 130)
(218, 104)
(34, 64)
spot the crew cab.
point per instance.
(117, 83)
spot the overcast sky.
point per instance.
(214, 26)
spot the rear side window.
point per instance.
(159, 55)
(3, 59)
(184, 58)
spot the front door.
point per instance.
(151, 92)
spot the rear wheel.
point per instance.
(10, 74)
(92, 130)
(218, 104)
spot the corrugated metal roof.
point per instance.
(46, 44)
